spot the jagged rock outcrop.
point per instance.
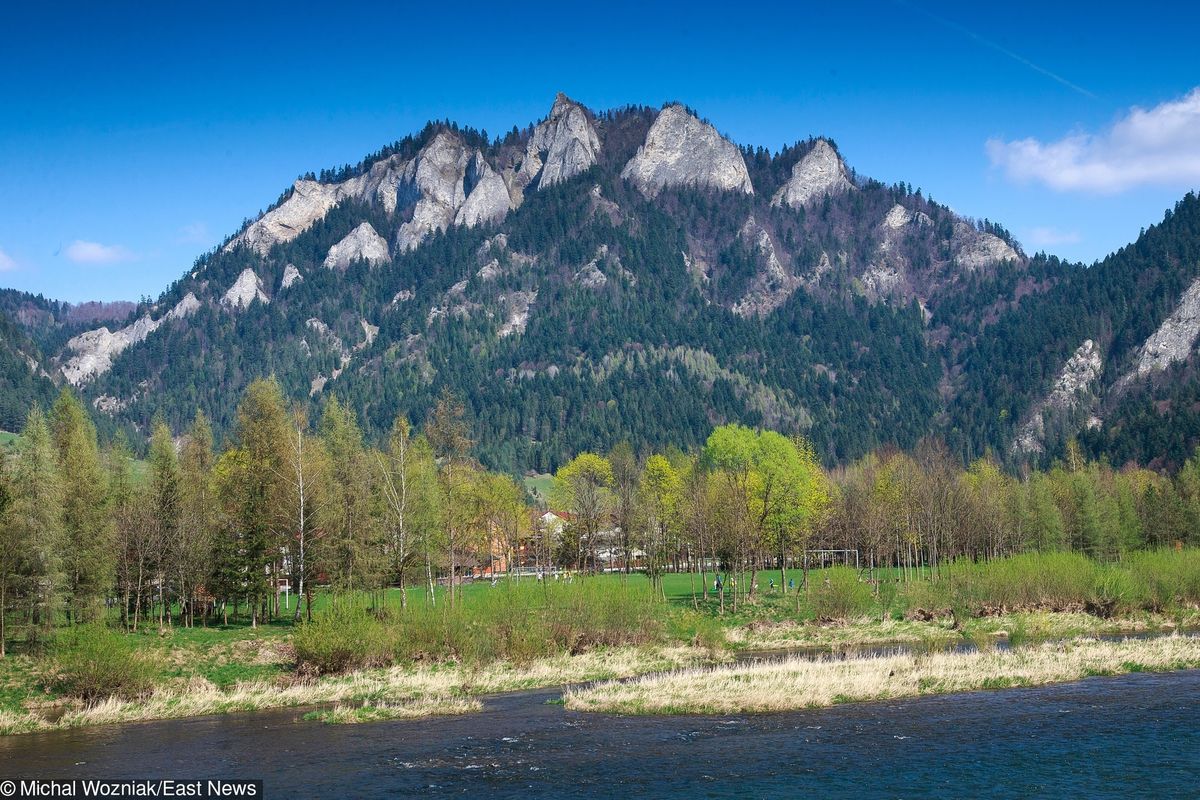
(590, 275)
(562, 146)
(821, 172)
(487, 198)
(1172, 342)
(975, 249)
(361, 244)
(312, 200)
(369, 333)
(1071, 390)
(446, 183)
(448, 179)
(290, 276)
(93, 351)
(681, 150)
(245, 290)
(887, 274)
(773, 284)
(518, 305)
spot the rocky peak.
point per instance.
(821, 172)
(245, 290)
(487, 197)
(681, 150)
(451, 186)
(976, 249)
(290, 276)
(565, 144)
(363, 243)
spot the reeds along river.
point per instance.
(1135, 735)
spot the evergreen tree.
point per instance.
(88, 558)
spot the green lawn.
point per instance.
(539, 486)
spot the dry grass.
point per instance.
(796, 683)
(865, 632)
(411, 691)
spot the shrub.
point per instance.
(93, 663)
(344, 637)
(840, 595)
(1169, 577)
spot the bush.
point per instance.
(1052, 581)
(93, 663)
(1169, 577)
(513, 621)
(839, 594)
(343, 638)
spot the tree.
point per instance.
(303, 478)
(253, 488)
(449, 436)
(165, 504)
(659, 492)
(33, 535)
(582, 486)
(197, 513)
(625, 490)
(351, 546)
(408, 482)
(88, 557)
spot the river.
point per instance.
(1135, 735)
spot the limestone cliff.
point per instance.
(681, 150)
(821, 172)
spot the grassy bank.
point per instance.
(396, 691)
(373, 659)
(797, 683)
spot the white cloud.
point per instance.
(82, 252)
(7, 262)
(194, 233)
(1048, 237)
(1156, 146)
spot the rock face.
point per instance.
(245, 290)
(518, 305)
(564, 145)
(773, 284)
(361, 244)
(446, 183)
(450, 185)
(976, 249)
(1172, 342)
(290, 276)
(680, 150)
(589, 275)
(1068, 395)
(487, 197)
(93, 351)
(312, 200)
(821, 172)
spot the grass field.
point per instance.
(539, 486)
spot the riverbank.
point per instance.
(399, 691)
(799, 683)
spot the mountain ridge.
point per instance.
(633, 274)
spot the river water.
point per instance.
(1135, 735)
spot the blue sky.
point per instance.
(135, 136)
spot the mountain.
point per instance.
(634, 274)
